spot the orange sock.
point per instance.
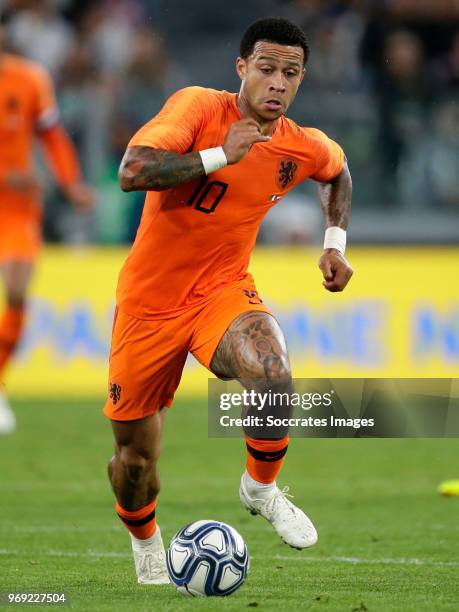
(11, 326)
(141, 523)
(265, 458)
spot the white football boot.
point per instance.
(289, 522)
(150, 560)
(7, 418)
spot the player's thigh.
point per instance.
(217, 318)
(253, 348)
(20, 242)
(16, 275)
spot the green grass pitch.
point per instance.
(387, 540)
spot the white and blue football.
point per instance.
(207, 558)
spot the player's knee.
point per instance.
(282, 372)
(274, 369)
(137, 465)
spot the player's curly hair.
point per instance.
(276, 30)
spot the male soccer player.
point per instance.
(27, 109)
(213, 163)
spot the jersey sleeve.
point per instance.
(45, 109)
(176, 126)
(330, 156)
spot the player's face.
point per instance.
(270, 78)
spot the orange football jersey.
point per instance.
(197, 238)
(27, 104)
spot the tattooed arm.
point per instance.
(335, 199)
(148, 169)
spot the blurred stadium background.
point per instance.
(383, 81)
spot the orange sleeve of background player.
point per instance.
(330, 158)
(59, 150)
(61, 155)
(176, 126)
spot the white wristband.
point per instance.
(213, 159)
(335, 238)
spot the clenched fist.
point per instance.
(240, 137)
(335, 269)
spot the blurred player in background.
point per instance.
(213, 164)
(27, 109)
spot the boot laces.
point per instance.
(279, 501)
(152, 562)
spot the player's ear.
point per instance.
(241, 68)
(303, 72)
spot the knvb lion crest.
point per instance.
(286, 172)
(115, 393)
(253, 296)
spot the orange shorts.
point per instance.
(147, 356)
(20, 237)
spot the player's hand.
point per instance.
(23, 180)
(82, 196)
(335, 269)
(240, 137)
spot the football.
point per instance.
(207, 558)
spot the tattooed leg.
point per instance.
(253, 351)
(253, 348)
